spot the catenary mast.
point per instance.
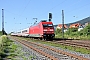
(3, 21)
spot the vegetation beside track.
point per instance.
(6, 48)
(73, 33)
(81, 50)
(10, 50)
(1, 33)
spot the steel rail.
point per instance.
(74, 44)
(39, 51)
(60, 51)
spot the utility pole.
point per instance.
(63, 24)
(3, 22)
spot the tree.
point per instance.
(86, 30)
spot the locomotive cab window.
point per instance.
(47, 25)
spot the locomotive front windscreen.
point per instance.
(48, 29)
(47, 25)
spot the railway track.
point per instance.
(51, 53)
(74, 43)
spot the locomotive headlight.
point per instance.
(44, 30)
(51, 29)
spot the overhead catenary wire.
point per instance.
(54, 7)
(77, 8)
(25, 8)
(19, 15)
(43, 12)
(51, 9)
(48, 10)
(75, 3)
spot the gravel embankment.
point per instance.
(28, 54)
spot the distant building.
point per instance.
(86, 24)
(80, 27)
(75, 25)
(60, 26)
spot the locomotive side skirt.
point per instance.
(35, 35)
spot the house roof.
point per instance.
(75, 25)
(60, 25)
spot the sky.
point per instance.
(20, 14)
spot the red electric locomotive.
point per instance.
(41, 30)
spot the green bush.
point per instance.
(74, 33)
(58, 31)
